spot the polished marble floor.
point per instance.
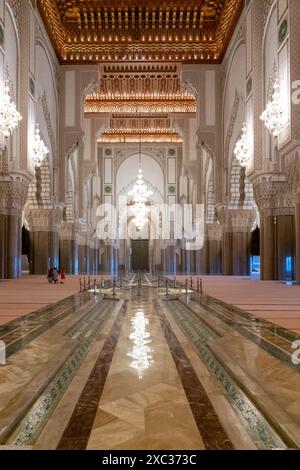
(143, 370)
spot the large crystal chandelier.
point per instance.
(274, 116)
(38, 150)
(242, 148)
(140, 195)
(9, 116)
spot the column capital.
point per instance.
(272, 192)
(69, 230)
(292, 167)
(214, 232)
(44, 219)
(235, 220)
(13, 193)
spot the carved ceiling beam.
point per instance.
(185, 31)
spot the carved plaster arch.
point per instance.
(127, 153)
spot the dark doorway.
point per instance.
(25, 249)
(25, 242)
(255, 242)
(140, 255)
(255, 252)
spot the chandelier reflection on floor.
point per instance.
(140, 195)
(141, 351)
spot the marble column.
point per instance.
(297, 248)
(164, 265)
(83, 252)
(182, 261)
(279, 244)
(94, 257)
(202, 260)
(171, 257)
(276, 199)
(107, 257)
(13, 194)
(214, 249)
(68, 246)
(44, 239)
(236, 240)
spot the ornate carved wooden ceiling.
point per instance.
(140, 100)
(141, 88)
(139, 30)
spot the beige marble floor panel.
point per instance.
(53, 431)
(230, 420)
(144, 408)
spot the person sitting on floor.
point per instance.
(55, 276)
(50, 276)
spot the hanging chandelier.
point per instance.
(39, 150)
(140, 195)
(274, 116)
(9, 116)
(242, 148)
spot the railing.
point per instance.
(189, 286)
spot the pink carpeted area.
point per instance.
(273, 301)
(21, 296)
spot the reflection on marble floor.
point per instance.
(141, 351)
(147, 373)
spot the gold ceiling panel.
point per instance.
(139, 30)
(140, 89)
(138, 106)
(134, 136)
(140, 122)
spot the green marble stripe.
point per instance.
(200, 334)
(31, 329)
(280, 331)
(40, 313)
(31, 426)
(249, 332)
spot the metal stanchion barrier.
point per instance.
(201, 286)
(80, 285)
(186, 287)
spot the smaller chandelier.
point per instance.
(274, 116)
(9, 116)
(39, 150)
(242, 148)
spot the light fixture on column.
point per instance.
(9, 116)
(242, 148)
(38, 151)
(274, 115)
(140, 195)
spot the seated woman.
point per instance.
(50, 275)
(55, 276)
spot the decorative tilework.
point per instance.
(200, 334)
